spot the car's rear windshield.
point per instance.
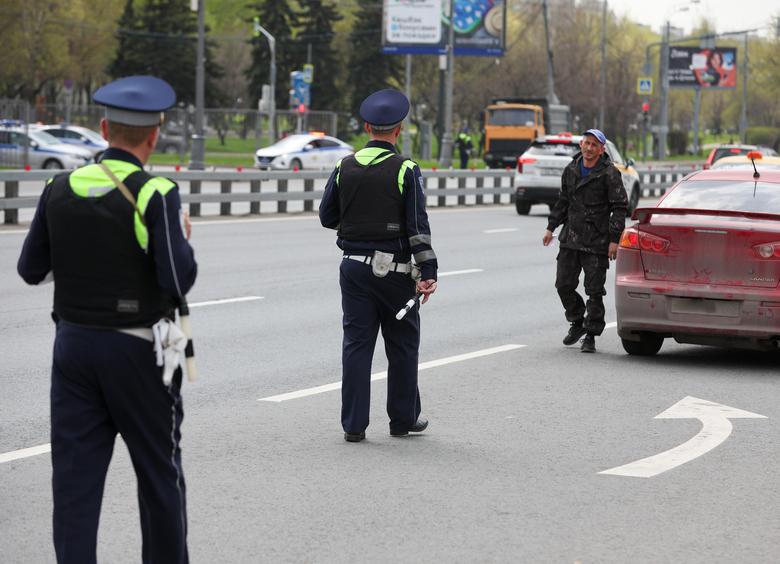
(511, 116)
(733, 152)
(761, 197)
(565, 149)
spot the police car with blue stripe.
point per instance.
(78, 136)
(303, 151)
(42, 150)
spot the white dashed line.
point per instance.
(383, 375)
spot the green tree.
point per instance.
(317, 23)
(166, 48)
(278, 19)
(370, 70)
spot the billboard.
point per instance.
(422, 27)
(692, 67)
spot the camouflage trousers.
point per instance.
(570, 263)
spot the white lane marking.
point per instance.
(470, 271)
(25, 453)
(228, 301)
(610, 325)
(507, 230)
(716, 428)
(383, 375)
(207, 221)
(14, 231)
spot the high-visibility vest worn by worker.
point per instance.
(104, 276)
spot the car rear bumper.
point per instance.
(694, 313)
(543, 191)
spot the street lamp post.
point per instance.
(198, 155)
(272, 80)
(445, 155)
(664, 80)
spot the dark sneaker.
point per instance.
(575, 332)
(588, 344)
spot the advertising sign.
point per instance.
(692, 67)
(422, 27)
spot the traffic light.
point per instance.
(645, 108)
(301, 108)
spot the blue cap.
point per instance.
(136, 100)
(597, 134)
(465, 129)
(385, 109)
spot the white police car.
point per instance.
(539, 170)
(43, 150)
(302, 151)
(78, 136)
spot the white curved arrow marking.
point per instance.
(716, 429)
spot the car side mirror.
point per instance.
(34, 144)
(308, 147)
(630, 161)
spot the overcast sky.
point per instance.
(727, 15)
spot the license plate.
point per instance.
(551, 171)
(697, 306)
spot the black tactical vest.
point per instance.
(102, 277)
(374, 210)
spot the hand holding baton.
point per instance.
(189, 353)
(409, 305)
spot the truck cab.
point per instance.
(509, 130)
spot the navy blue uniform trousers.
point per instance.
(104, 383)
(368, 303)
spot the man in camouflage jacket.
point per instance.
(592, 206)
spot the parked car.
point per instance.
(170, 144)
(77, 135)
(43, 150)
(731, 150)
(752, 158)
(538, 175)
(703, 265)
(302, 151)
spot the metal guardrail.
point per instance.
(266, 186)
(233, 184)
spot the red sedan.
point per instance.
(703, 265)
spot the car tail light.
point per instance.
(524, 160)
(633, 239)
(767, 250)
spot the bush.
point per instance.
(678, 142)
(766, 136)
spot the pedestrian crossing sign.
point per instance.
(644, 85)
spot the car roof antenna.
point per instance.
(755, 170)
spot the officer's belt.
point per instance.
(144, 333)
(403, 267)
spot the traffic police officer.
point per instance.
(375, 200)
(119, 262)
(465, 146)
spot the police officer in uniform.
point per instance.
(592, 206)
(118, 269)
(465, 146)
(375, 200)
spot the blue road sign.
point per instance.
(301, 89)
(644, 86)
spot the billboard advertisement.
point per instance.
(422, 27)
(692, 67)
